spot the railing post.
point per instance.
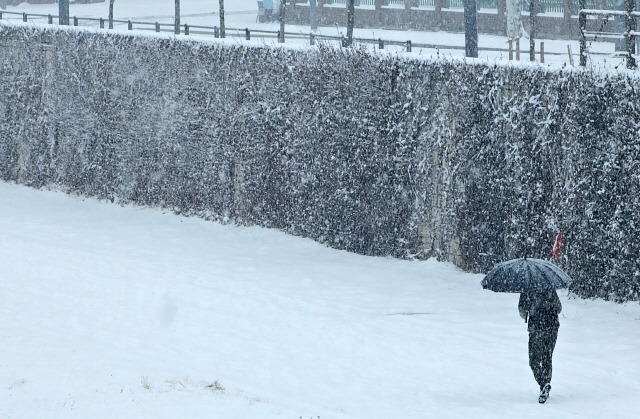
(216, 32)
(582, 23)
(157, 27)
(129, 25)
(247, 34)
(409, 46)
(101, 23)
(312, 39)
(24, 17)
(510, 49)
(380, 43)
(75, 21)
(186, 29)
(570, 55)
(49, 19)
(542, 52)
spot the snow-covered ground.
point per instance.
(243, 13)
(129, 312)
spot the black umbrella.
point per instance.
(520, 275)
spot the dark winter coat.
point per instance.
(540, 310)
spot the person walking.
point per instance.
(540, 311)
(537, 281)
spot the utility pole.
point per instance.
(63, 12)
(176, 24)
(470, 29)
(350, 20)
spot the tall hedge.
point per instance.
(381, 155)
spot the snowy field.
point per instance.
(129, 312)
(243, 13)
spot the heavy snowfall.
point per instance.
(121, 312)
(244, 14)
(140, 278)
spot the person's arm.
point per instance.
(557, 305)
(523, 306)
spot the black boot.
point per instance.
(544, 393)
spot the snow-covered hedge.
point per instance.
(472, 163)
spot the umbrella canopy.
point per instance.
(521, 275)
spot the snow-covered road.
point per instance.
(129, 312)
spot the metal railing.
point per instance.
(553, 6)
(209, 30)
(629, 35)
(245, 33)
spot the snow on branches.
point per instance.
(381, 155)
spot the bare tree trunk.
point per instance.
(470, 28)
(313, 14)
(176, 28)
(282, 13)
(513, 18)
(438, 5)
(111, 14)
(630, 39)
(350, 20)
(222, 30)
(582, 21)
(532, 31)
(63, 12)
(377, 4)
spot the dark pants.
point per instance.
(541, 344)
